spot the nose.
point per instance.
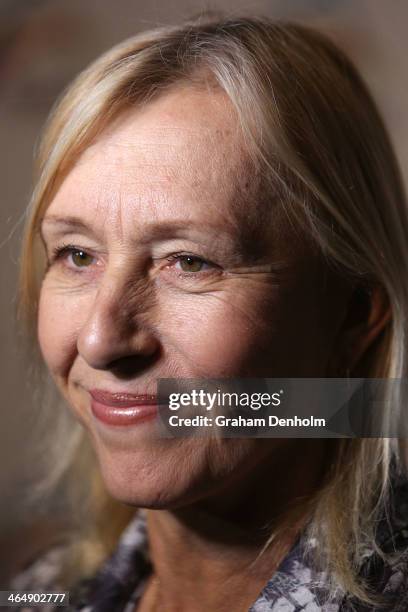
(113, 333)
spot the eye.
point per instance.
(74, 257)
(81, 258)
(188, 263)
(189, 266)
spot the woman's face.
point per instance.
(166, 262)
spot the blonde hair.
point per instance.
(311, 125)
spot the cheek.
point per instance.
(249, 330)
(58, 322)
(219, 335)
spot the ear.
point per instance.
(367, 315)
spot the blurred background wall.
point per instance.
(43, 45)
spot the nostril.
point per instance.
(120, 354)
(128, 367)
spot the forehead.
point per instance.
(182, 154)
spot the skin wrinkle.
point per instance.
(135, 318)
(252, 322)
(238, 175)
(223, 245)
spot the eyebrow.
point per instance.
(153, 231)
(65, 223)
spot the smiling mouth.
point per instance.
(119, 409)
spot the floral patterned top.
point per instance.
(295, 587)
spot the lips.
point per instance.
(123, 399)
(120, 409)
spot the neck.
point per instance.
(216, 542)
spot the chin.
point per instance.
(155, 480)
(149, 497)
(152, 495)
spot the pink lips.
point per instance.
(122, 408)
